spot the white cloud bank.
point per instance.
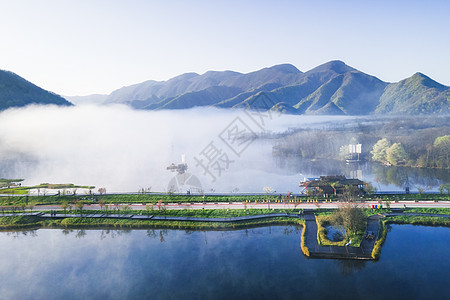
(124, 149)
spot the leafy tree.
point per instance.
(64, 206)
(387, 203)
(369, 188)
(350, 192)
(79, 205)
(444, 187)
(148, 208)
(396, 154)
(442, 142)
(441, 147)
(350, 216)
(379, 150)
(101, 202)
(126, 209)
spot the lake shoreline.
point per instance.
(35, 222)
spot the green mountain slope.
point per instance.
(417, 94)
(16, 92)
(331, 88)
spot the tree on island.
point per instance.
(351, 217)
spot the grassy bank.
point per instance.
(420, 210)
(134, 224)
(27, 222)
(196, 213)
(303, 246)
(17, 222)
(323, 222)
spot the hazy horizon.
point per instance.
(124, 149)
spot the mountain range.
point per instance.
(331, 88)
(17, 92)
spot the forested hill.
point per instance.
(15, 91)
(331, 88)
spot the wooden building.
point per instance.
(331, 185)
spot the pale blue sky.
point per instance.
(87, 46)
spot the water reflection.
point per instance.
(349, 267)
(382, 177)
(80, 233)
(412, 177)
(261, 263)
(19, 234)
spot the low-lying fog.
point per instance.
(123, 149)
(126, 150)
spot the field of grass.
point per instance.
(439, 211)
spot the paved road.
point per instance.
(239, 205)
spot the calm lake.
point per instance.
(259, 263)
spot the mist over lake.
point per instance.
(123, 149)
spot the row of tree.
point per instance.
(409, 141)
(435, 155)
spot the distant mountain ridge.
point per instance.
(15, 91)
(331, 88)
